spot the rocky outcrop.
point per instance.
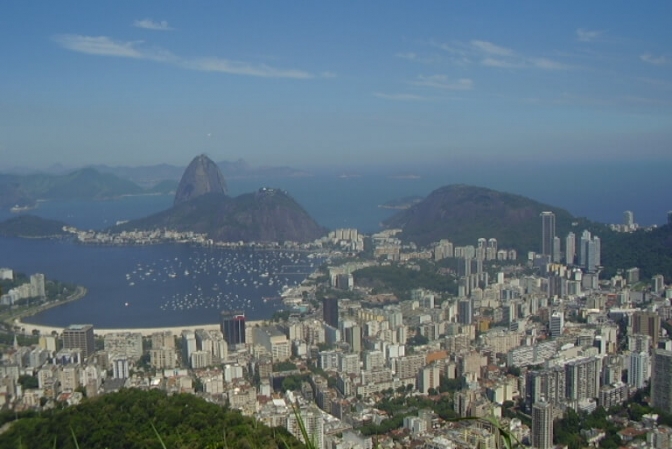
(268, 215)
(202, 176)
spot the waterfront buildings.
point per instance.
(233, 327)
(79, 336)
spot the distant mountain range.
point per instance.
(87, 183)
(149, 175)
(103, 182)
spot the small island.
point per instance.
(401, 203)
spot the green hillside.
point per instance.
(463, 214)
(32, 226)
(124, 420)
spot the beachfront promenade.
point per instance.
(28, 328)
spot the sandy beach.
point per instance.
(28, 328)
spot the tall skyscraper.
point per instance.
(658, 283)
(330, 311)
(583, 378)
(353, 336)
(628, 219)
(233, 327)
(638, 369)
(308, 419)
(570, 248)
(583, 248)
(542, 425)
(557, 323)
(547, 233)
(79, 336)
(464, 311)
(556, 250)
(661, 380)
(647, 323)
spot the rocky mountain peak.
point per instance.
(201, 176)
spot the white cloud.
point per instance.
(493, 62)
(659, 60)
(149, 24)
(490, 48)
(243, 68)
(583, 35)
(399, 97)
(493, 55)
(443, 82)
(666, 85)
(410, 56)
(548, 64)
(105, 46)
(99, 45)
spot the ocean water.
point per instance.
(161, 285)
(600, 192)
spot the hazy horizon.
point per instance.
(310, 85)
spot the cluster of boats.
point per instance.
(222, 279)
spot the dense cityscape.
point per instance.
(527, 341)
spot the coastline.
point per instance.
(28, 328)
(80, 292)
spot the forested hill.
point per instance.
(650, 251)
(124, 420)
(32, 227)
(463, 214)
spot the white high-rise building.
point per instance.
(37, 285)
(542, 425)
(570, 248)
(313, 423)
(639, 369)
(658, 283)
(556, 250)
(583, 248)
(120, 368)
(557, 323)
(189, 346)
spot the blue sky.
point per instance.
(338, 83)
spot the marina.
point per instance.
(161, 285)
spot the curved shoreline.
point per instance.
(79, 293)
(28, 328)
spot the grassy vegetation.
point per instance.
(401, 280)
(135, 419)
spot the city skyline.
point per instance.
(324, 84)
